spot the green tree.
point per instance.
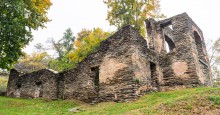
(62, 64)
(134, 12)
(65, 44)
(17, 19)
(39, 47)
(62, 48)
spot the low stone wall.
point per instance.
(38, 84)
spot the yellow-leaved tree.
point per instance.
(86, 42)
(133, 12)
(90, 42)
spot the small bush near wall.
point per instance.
(3, 83)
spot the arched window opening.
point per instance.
(169, 45)
(199, 46)
(198, 39)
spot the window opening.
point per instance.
(38, 83)
(18, 85)
(153, 72)
(169, 45)
(38, 92)
(95, 75)
(199, 46)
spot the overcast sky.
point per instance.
(79, 14)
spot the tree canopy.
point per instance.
(87, 44)
(134, 12)
(65, 44)
(17, 19)
(62, 48)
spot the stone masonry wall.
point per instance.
(39, 84)
(181, 66)
(117, 78)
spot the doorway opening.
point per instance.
(38, 92)
(95, 76)
(153, 71)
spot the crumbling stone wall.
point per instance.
(187, 63)
(120, 70)
(126, 66)
(39, 84)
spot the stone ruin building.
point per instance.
(126, 66)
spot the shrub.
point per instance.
(3, 83)
(215, 99)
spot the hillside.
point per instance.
(187, 101)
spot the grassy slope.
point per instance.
(188, 101)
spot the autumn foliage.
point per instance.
(133, 12)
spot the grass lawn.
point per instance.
(187, 101)
(15, 106)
